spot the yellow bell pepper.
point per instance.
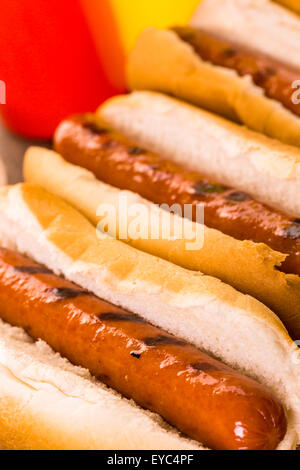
(133, 16)
(116, 24)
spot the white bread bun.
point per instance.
(197, 308)
(46, 403)
(249, 267)
(162, 62)
(259, 24)
(292, 4)
(201, 141)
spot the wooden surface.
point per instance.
(12, 150)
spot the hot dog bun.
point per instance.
(195, 307)
(233, 155)
(178, 70)
(46, 403)
(220, 256)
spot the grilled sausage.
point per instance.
(118, 162)
(273, 77)
(199, 395)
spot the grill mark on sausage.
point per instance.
(136, 151)
(121, 317)
(66, 292)
(270, 70)
(262, 75)
(202, 188)
(58, 292)
(109, 144)
(32, 270)
(135, 355)
(92, 126)
(293, 232)
(237, 196)
(154, 167)
(229, 52)
(163, 340)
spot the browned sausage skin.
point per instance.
(118, 162)
(203, 398)
(273, 77)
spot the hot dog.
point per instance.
(237, 157)
(273, 77)
(142, 362)
(117, 344)
(121, 163)
(238, 58)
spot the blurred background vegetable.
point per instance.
(62, 57)
(116, 24)
(49, 64)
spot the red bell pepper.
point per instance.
(49, 65)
